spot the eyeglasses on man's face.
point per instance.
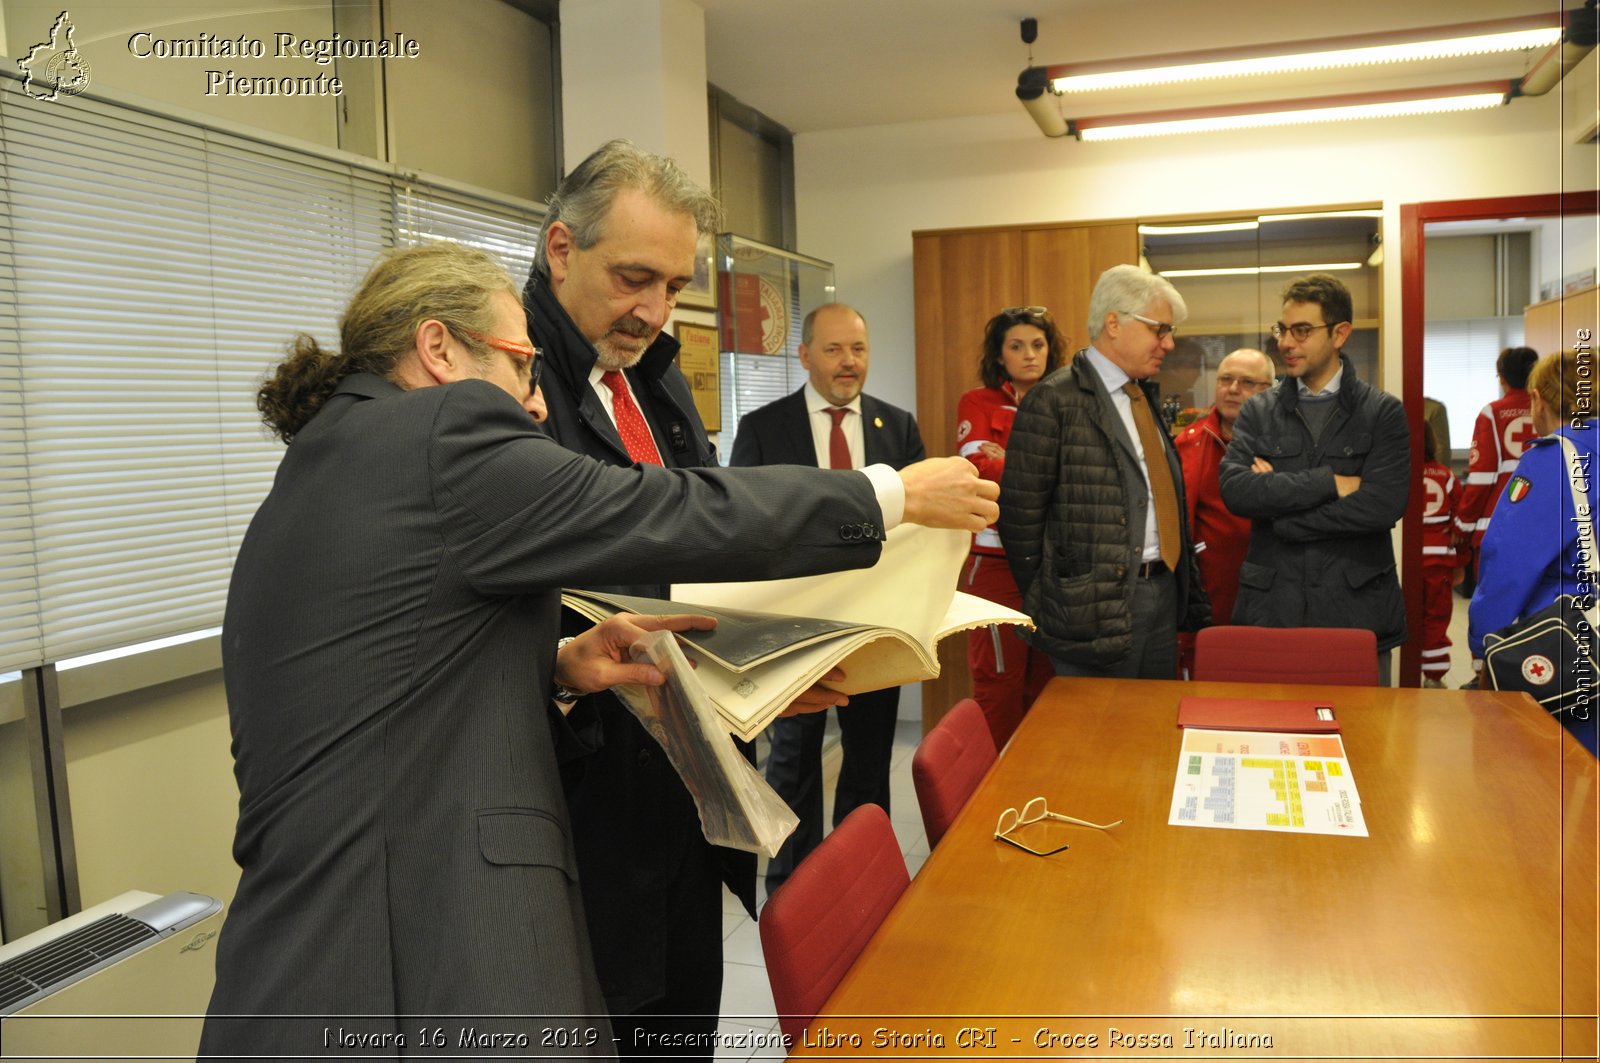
(1033, 812)
(1227, 382)
(1160, 328)
(526, 355)
(1300, 330)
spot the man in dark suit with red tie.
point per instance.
(831, 424)
(617, 239)
(616, 248)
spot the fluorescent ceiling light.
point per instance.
(1246, 271)
(1186, 230)
(1511, 35)
(1328, 109)
(1267, 219)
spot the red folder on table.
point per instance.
(1257, 714)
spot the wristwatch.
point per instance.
(561, 694)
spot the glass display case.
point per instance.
(763, 296)
(1232, 273)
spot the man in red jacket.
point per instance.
(1498, 436)
(1220, 538)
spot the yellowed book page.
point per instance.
(749, 701)
(908, 589)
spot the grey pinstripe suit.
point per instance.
(402, 834)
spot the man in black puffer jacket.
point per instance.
(1104, 563)
(1322, 465)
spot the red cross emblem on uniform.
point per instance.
(1433, 505)
(1517, 434)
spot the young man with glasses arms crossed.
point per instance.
(1322, 465)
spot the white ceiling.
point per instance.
(816, 65)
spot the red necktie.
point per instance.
(630, 422)
(838, 449)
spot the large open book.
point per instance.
(776, 638)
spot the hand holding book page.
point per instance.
(737, 808)
(775, 638)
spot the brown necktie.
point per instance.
(1160, 473)
(838, 448)
(630, 422)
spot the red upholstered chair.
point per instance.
(949, 764)
(818, 921)
(1337, 656)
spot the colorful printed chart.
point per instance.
(1257, 780)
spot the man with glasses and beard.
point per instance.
(1322, 465)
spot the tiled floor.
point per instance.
(1460, 656)
(747, 1006)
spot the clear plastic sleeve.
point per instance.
(737, 807)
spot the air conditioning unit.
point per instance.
(130, 977)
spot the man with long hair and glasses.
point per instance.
(1322, 465)
(390, 652)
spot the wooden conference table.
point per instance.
(1463, 927)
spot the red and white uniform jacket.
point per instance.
(984, 415)
(1441, 498)
(1503, 428)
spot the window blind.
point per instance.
(19, 589)
(426, 211)
(151, 272)
(1459, 356)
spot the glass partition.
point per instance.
(1232, 272)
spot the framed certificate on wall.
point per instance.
(701, 292)
(698, 358)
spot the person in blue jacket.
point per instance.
(1535, 545)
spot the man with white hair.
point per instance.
(1092, 504)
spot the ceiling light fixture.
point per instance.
(1245, 271)
(1267, 219)
(1436, 42)
(1566, 37)
(1189, 230)
(1293, 112)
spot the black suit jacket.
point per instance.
(635, 826)
(387, 651)
(779, 433)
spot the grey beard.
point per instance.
(617, 359)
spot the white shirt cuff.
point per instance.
(891, 492)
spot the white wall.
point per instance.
(862, 192)
(103, 29)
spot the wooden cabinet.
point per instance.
(1556, 324)
(963, 277)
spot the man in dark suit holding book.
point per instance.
(831, 424)
(617, 245)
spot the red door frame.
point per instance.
(1413, 217)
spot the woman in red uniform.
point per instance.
(1020, 345)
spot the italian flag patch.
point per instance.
(1518, 489)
